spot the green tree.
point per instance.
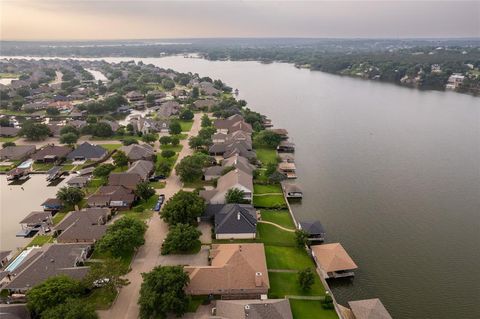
(72, 308)
(51, 292)
(168, 153)
(235, 196)
(168, 84)
(150, 99)
(4, 122)
(267, 138)
(164, 168)
(68, 138)
(101, 130)
(306, 278)
(175, 140)
(175, 128)
(271, 168)
(103, 170)
(129, 141)
(301, 238)
(165, 140)
(183, 208)
(122, 237)
(120, 159)
(144, 190)
(70, 196)
(69, 129)
(181, 238)
(149, 138)
(191, 167)
(206, 121)
(108, 272)
(34, 131)
(52, 111)
(163, 292)
(186, 114)
(6, 144)
(195, 92)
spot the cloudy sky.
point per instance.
(154, 19)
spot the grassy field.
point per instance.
(40, 240)
(9, 75)
(101, 298)
(8, 139)
(197, 184)
(157, 185)
(266, 155)
(286, 284)
(58, 217)
(186, 125)
(93, 185)
(269, 201)
(68, 167)
(280, 217)
(175, 148)
(195, 302)
(267, 189)
(310, 309)
(43, 167)
(271, 235)
(110, 147)
(287, 258)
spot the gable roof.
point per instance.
(237, 267)
(37, 217)
(312, 227)
(51, 150)
(239, 162)
(112, 193)
(369, 309)
(236, 219)
(137, 152)
(333, 257)
(233, 178)
(88, 151)
(129, 180)
(254, 309)
(17, 152)
(142, 168)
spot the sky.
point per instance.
(155, 19)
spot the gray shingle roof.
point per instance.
(88, 151)
(236, 219)
(312, 227)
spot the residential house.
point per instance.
(78, 124)
(128, 180)
(213, 172)
(88, 225)
(253, 309)
(87, 151)
(51, 153)
(142, 168)
(232, 124)
(454, 81)
(235, 161)
(333, 261)
(168, 109)
(157, 94)
(134, 96)
(8, 131)
(49, 261)
(16, 153)
(205, 104)
(233, 179)
(207, 88)
(119, 197)
(233, 221)
(241, 148)
(137, 152)
(237, 271)
(148, 125)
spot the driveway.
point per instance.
(148, 256)
(206, 229)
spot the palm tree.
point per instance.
(70, 196)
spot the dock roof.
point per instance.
(333, 257)
(369, 309)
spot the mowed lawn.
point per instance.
(279, 217)
(267, 189)
(110, 147)
(266, 155)
(271, 235)
(175, 148)
(293, 258)
(286, 284)
(310, 309)
(269, 201)
(186, 125)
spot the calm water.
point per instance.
(16, 202)
(392, 173)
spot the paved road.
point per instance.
(148, 256)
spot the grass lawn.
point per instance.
(120, 169)
(284, 283)
(271, 235)
(197, 184)
(269, 201)
(175, 148)
(186, 125)
(6, 168)
(42, 166)
(180, 136)
(58, 217)
(267, 189)
(280, 217)
(266, 155)
(93, 185)
(68, 167)
(9, 75)
(40, 240)
(279, 257)
(101, 298)
(157, 185)
(8, 139)
(110, 147)
(310, 309)
(195, 302)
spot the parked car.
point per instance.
(156, 178)
(161, 198)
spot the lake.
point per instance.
(16, 202)
(392, 173)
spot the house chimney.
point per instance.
(258, 279)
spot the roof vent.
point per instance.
(238, 216)
(247, 307)
(52, 260)
(258, 279)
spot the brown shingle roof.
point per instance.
(51, 150)
(369, 309)
(333, 257)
